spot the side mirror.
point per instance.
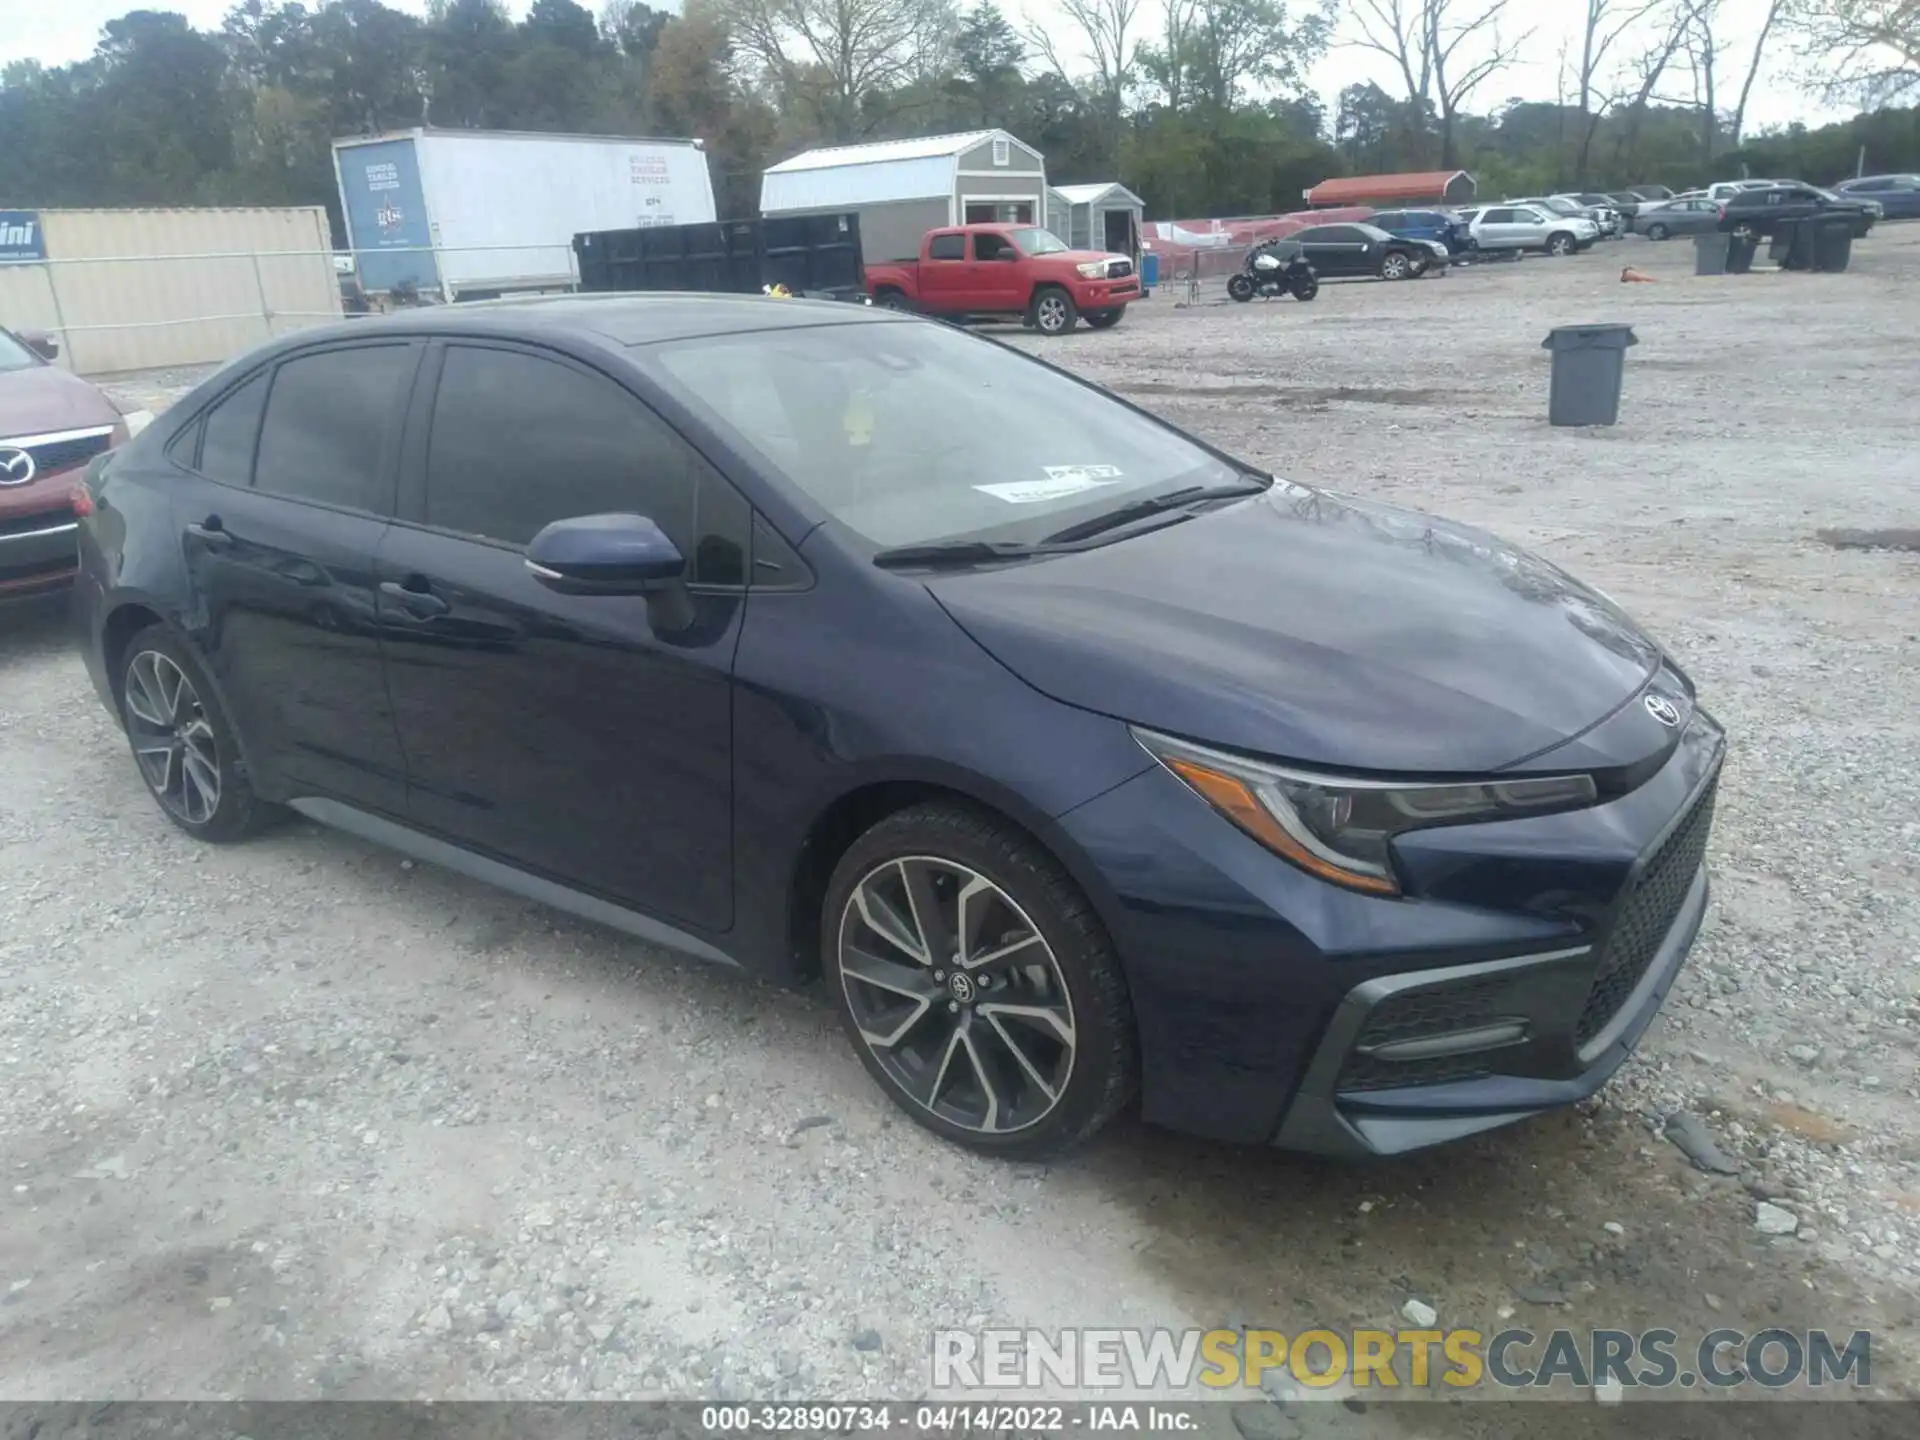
(605, 555)
(41, 343)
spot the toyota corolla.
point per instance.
(1083, 761)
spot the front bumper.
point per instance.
(1106, 294)
(1416, 1059)
(38, 553)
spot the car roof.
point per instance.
(618, 319)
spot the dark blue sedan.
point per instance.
(1082, 760)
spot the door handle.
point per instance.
(422, 604)
(211, 533)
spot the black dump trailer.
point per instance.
(817, 256)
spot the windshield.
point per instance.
(915, 434)
(1034, 241)
(1561, 207)
(14, 355)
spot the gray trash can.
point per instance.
(1832, 243)
(1710, 254)
(1740, 252)
(1588, 363)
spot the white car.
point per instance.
(1724, 190)
(1530, 227)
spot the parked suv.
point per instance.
(1530, 227)
(1434, 225)
(51, 424)
(1080, 760)
(1898, 196)
(1764, 210)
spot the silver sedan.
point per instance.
(1676, 217)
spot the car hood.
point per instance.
(1319, 629)
(1079, 257)
(43, 399)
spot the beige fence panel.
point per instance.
(134, 289)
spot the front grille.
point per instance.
(1416, 1014)
(1119, 269)
(1646, 915)
(1364, 1072)
(60, 455)
(27, 524)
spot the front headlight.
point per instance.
(1092, 269)
(1340, 828)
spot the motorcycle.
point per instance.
(1271, 270)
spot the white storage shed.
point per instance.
(1104, 216)
(903, 188)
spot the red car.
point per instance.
(51, 424)
(1008, 270)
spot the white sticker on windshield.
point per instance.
(1062, 480)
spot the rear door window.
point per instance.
(330, 418)
(947, 247)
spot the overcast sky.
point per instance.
(57, 31)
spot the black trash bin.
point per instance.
(1798, 235)
(1832, 243)
(1741, 248)
(1588, 363)
(1710, 253)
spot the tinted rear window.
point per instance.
(328, 419)
(226, 448)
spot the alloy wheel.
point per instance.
(1051, 314)
(956, 994)
(1395, 267)
(173, 740)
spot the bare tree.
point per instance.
(1444, 50)
(1606, 22)
(840, 51)
(1703, 55)
(1867, 50)
(1109, 32)
(1775, 10)
(1646, 72)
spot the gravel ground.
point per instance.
(301, 1119)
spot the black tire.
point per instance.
(1306, 289)
(1105, 319)
(1397, 265)
(198, 739)
(1052, 311)
(1240, 287)
(1103, 1066)
(1657, 231)
(891, 299)
(1560, 243)
(1420, 265)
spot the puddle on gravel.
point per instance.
(1296, 394)
(1268, 1239)
(1895, 539)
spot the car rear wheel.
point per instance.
(1396, 266)
(182, 743)
(1052, 311)
(1560, 243)
(1657, 231)
(977, 984)
(1105, 319)
(1240, 287)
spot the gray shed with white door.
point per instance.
(903, 188)
(1103, 216)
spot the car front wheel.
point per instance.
(1560, 244)
(1052, 311)
(182, 742)
(1656, 232)
(977, 984)
(1396, 266)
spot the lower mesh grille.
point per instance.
(1416, 1014)
(1646, 916)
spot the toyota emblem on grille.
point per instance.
(1663, 710)
(16, 466)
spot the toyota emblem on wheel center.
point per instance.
(16, 466)
(1663, 710)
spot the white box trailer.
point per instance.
(476, 213)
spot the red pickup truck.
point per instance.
(1008, 270)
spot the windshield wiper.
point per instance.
(953, 552)
(1154, 505)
